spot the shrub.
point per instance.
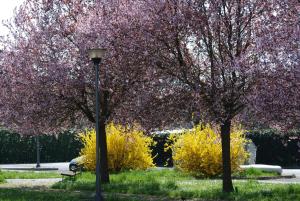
(198, 151)
(128, 148)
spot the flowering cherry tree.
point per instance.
(222, 59)
(47, 81)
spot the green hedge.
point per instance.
(17, 149)
(273, 148)
(276, 148)
(162, 158)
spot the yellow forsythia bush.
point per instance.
(127, 148)
(199, 150)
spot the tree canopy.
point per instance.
(168, 61)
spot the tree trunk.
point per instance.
(225, 137)
(103, 153)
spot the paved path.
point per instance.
(281, 181)
(34, 183)
(296, 172)
(29, 183)
(285, 172)
(64, 166)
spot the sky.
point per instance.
(6, 12)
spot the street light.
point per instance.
(96, 55)
(38, 160)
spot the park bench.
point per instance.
(71, 174)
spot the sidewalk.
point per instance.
(63, 166)
(29, 183)
(296, 180)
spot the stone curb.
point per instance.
(266, 178)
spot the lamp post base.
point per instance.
(99, 198)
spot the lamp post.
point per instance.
(96, 55)
(38, 163)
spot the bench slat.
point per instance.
(71, 174)
(68, 173)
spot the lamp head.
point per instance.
(96, 54)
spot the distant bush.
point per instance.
(15, 148)
(198, 151)
(276, 147)
(128, 148)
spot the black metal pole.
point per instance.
(38, 162)
(98, 177)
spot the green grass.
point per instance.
(2, 180)
(173, 184)
(27, 175)
(253, 173)
(50, 195)
(33, 195)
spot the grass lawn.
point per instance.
(50, 195)
(175, 185)
(34, 195)
(253, 173)
(27, 175)
(2, 180)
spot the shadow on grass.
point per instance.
(149, 188)
(34, 195)
(27, 194)
(264, 192)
